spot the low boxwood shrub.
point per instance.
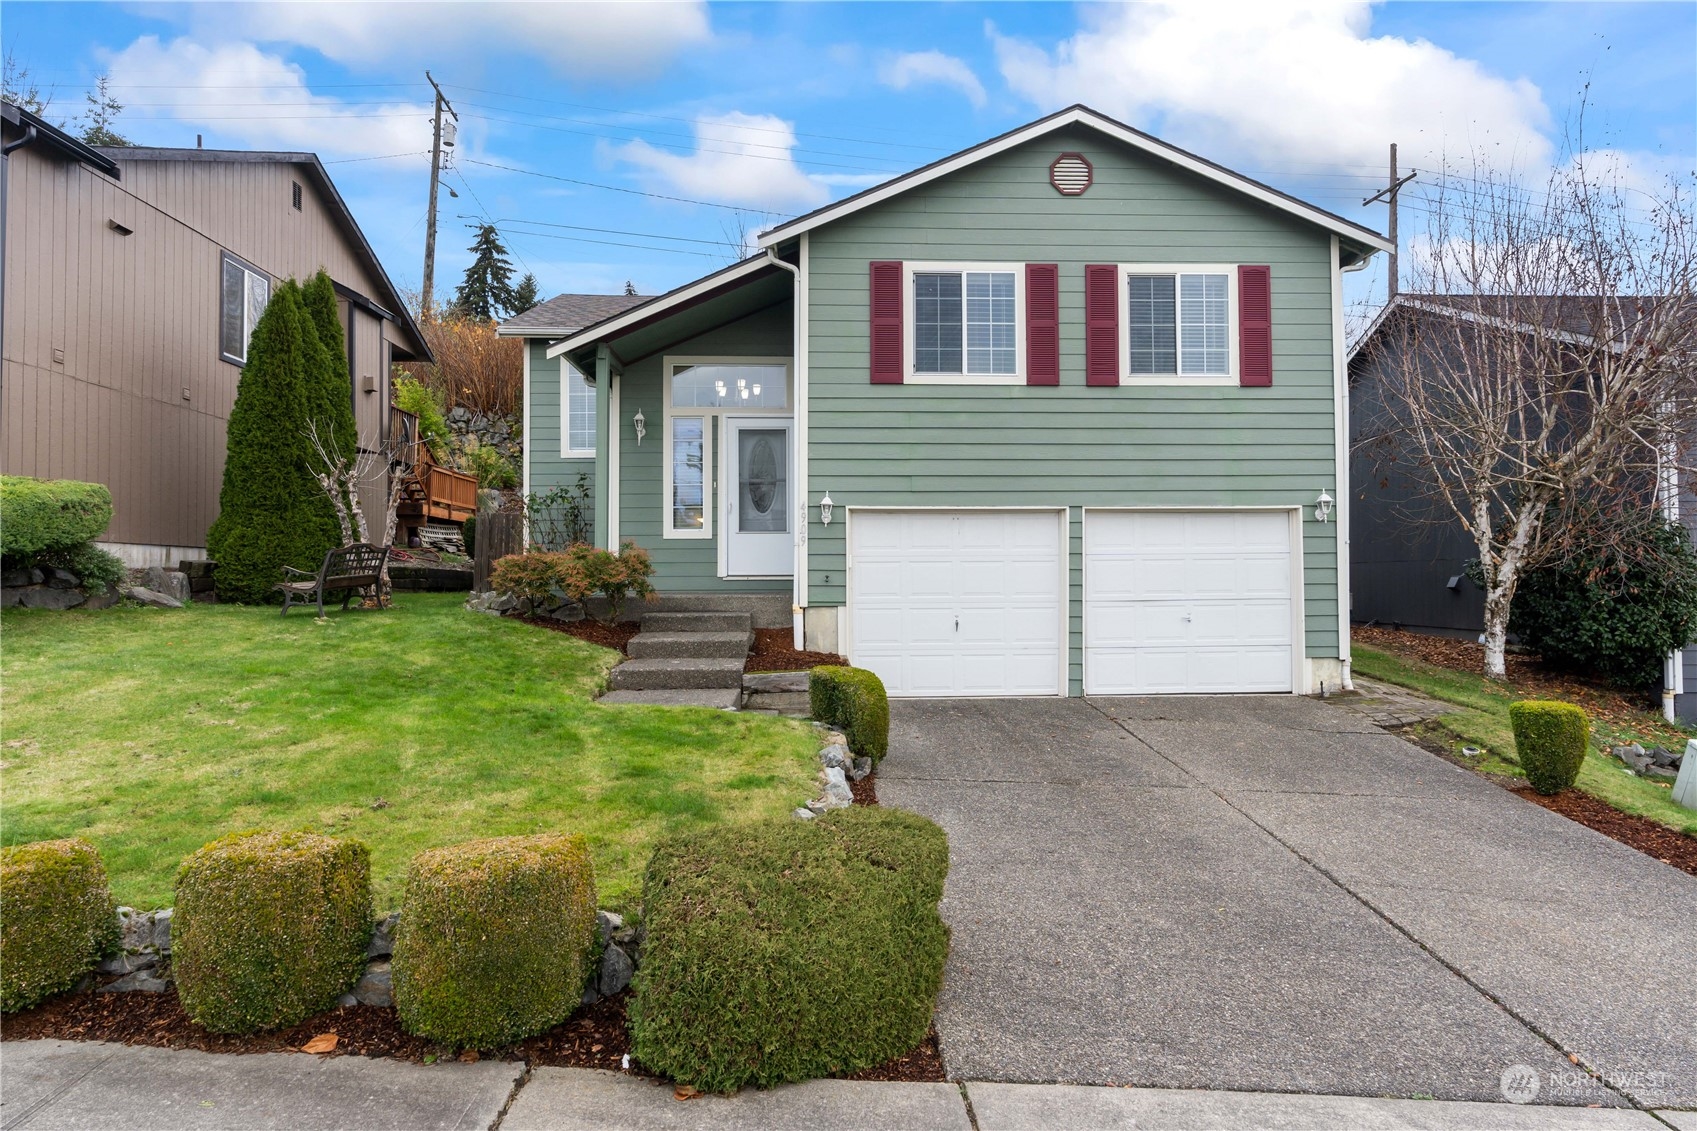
(468, 535)
(56, 919)
(269, 928)
(494, 938)
(38, 515)
(854, 701)
(785, 950)
(1550, 740)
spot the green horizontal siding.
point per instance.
(982, 446)
(542, 430)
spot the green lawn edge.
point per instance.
(1481, 719)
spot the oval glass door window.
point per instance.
(762, 472)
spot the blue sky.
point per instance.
(578, 120)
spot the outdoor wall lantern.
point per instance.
(826, 506)
(1323, 507)
(641, 425)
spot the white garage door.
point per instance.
(958, 602)
(1186, 601)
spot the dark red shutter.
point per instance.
(1042, 324)
(887, 367)
(1255, 326)
(1101, 324)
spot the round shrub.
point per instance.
(56, 919)
(50, 514)
(785, 950)
(854, 701)
(1550, 739)
(1611, 612)
(494, 939)
(269, 928)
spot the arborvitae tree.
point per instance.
(487, 289)
(271, 513)
(103, 111)
(524, 295)
(335, 399)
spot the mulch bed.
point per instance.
(922, 1064)
(1647, 836)
(865, 790)
(774, 651)
(614, 636)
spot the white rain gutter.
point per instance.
(798, 359)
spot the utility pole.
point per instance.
(1388, 194)
(437, 143)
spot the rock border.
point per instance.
(839, 767)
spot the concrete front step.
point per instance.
(672, 673)
(723, 698)
(779, 702)
(697, 622)
(647, 645)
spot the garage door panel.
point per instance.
(976, 610)
(1194, 601)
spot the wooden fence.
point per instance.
(499, 533)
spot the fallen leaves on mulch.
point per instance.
(865, 790)
(1647, 836)
(614, 636)
(774, 651)
(324, 1042)
(923, 1063)
(593, 1037)
(1527, 676)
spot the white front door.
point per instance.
(1187, 601)
(759, 528)
(956, 603)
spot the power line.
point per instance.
(621, 188)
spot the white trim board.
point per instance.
(1077, 115)
(711, 418)
(1232, 374)
(611, 326)
(910, 318)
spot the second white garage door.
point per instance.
(1187, 601)
(953, 603)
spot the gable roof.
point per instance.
(389, 305)
(566, 314)
(1369, 240)
(647, 309)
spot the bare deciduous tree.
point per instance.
(341, 477)
(1535, 382)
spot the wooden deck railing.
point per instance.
(432, 491)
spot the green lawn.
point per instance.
(150, 732)
(1481, 719)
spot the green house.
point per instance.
(1061, 414)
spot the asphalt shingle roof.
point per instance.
(566, 314)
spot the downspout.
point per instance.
(799, 562)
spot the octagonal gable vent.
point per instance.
(1071, 174)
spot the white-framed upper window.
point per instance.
(1178, 324)
(697, 391)
(965, 323)
(577, 413)
(243, 295)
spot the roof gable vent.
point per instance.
(1071, 174)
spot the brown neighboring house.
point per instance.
(132, 279)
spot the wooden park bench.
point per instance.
(349, 569)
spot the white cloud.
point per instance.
(745, 159)
(583, 41)
(923, 67)
(237, 92)
(1282, 81)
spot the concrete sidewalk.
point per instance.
(71, 1086)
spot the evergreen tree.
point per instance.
(524, 295)
(334, 400)
(487, 289)
(103, 111)
(271, 512)
(630, 287)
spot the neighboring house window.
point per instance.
(244, 293)
(966, 325)
(1180, 322)
(698, 392)
(578, 402)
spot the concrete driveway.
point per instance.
(1270, 894)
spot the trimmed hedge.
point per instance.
(854, 701)
(269, 928)
(785, 950)
(38, 515)
(1550, 740)
(494, 939)
(56, 919)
